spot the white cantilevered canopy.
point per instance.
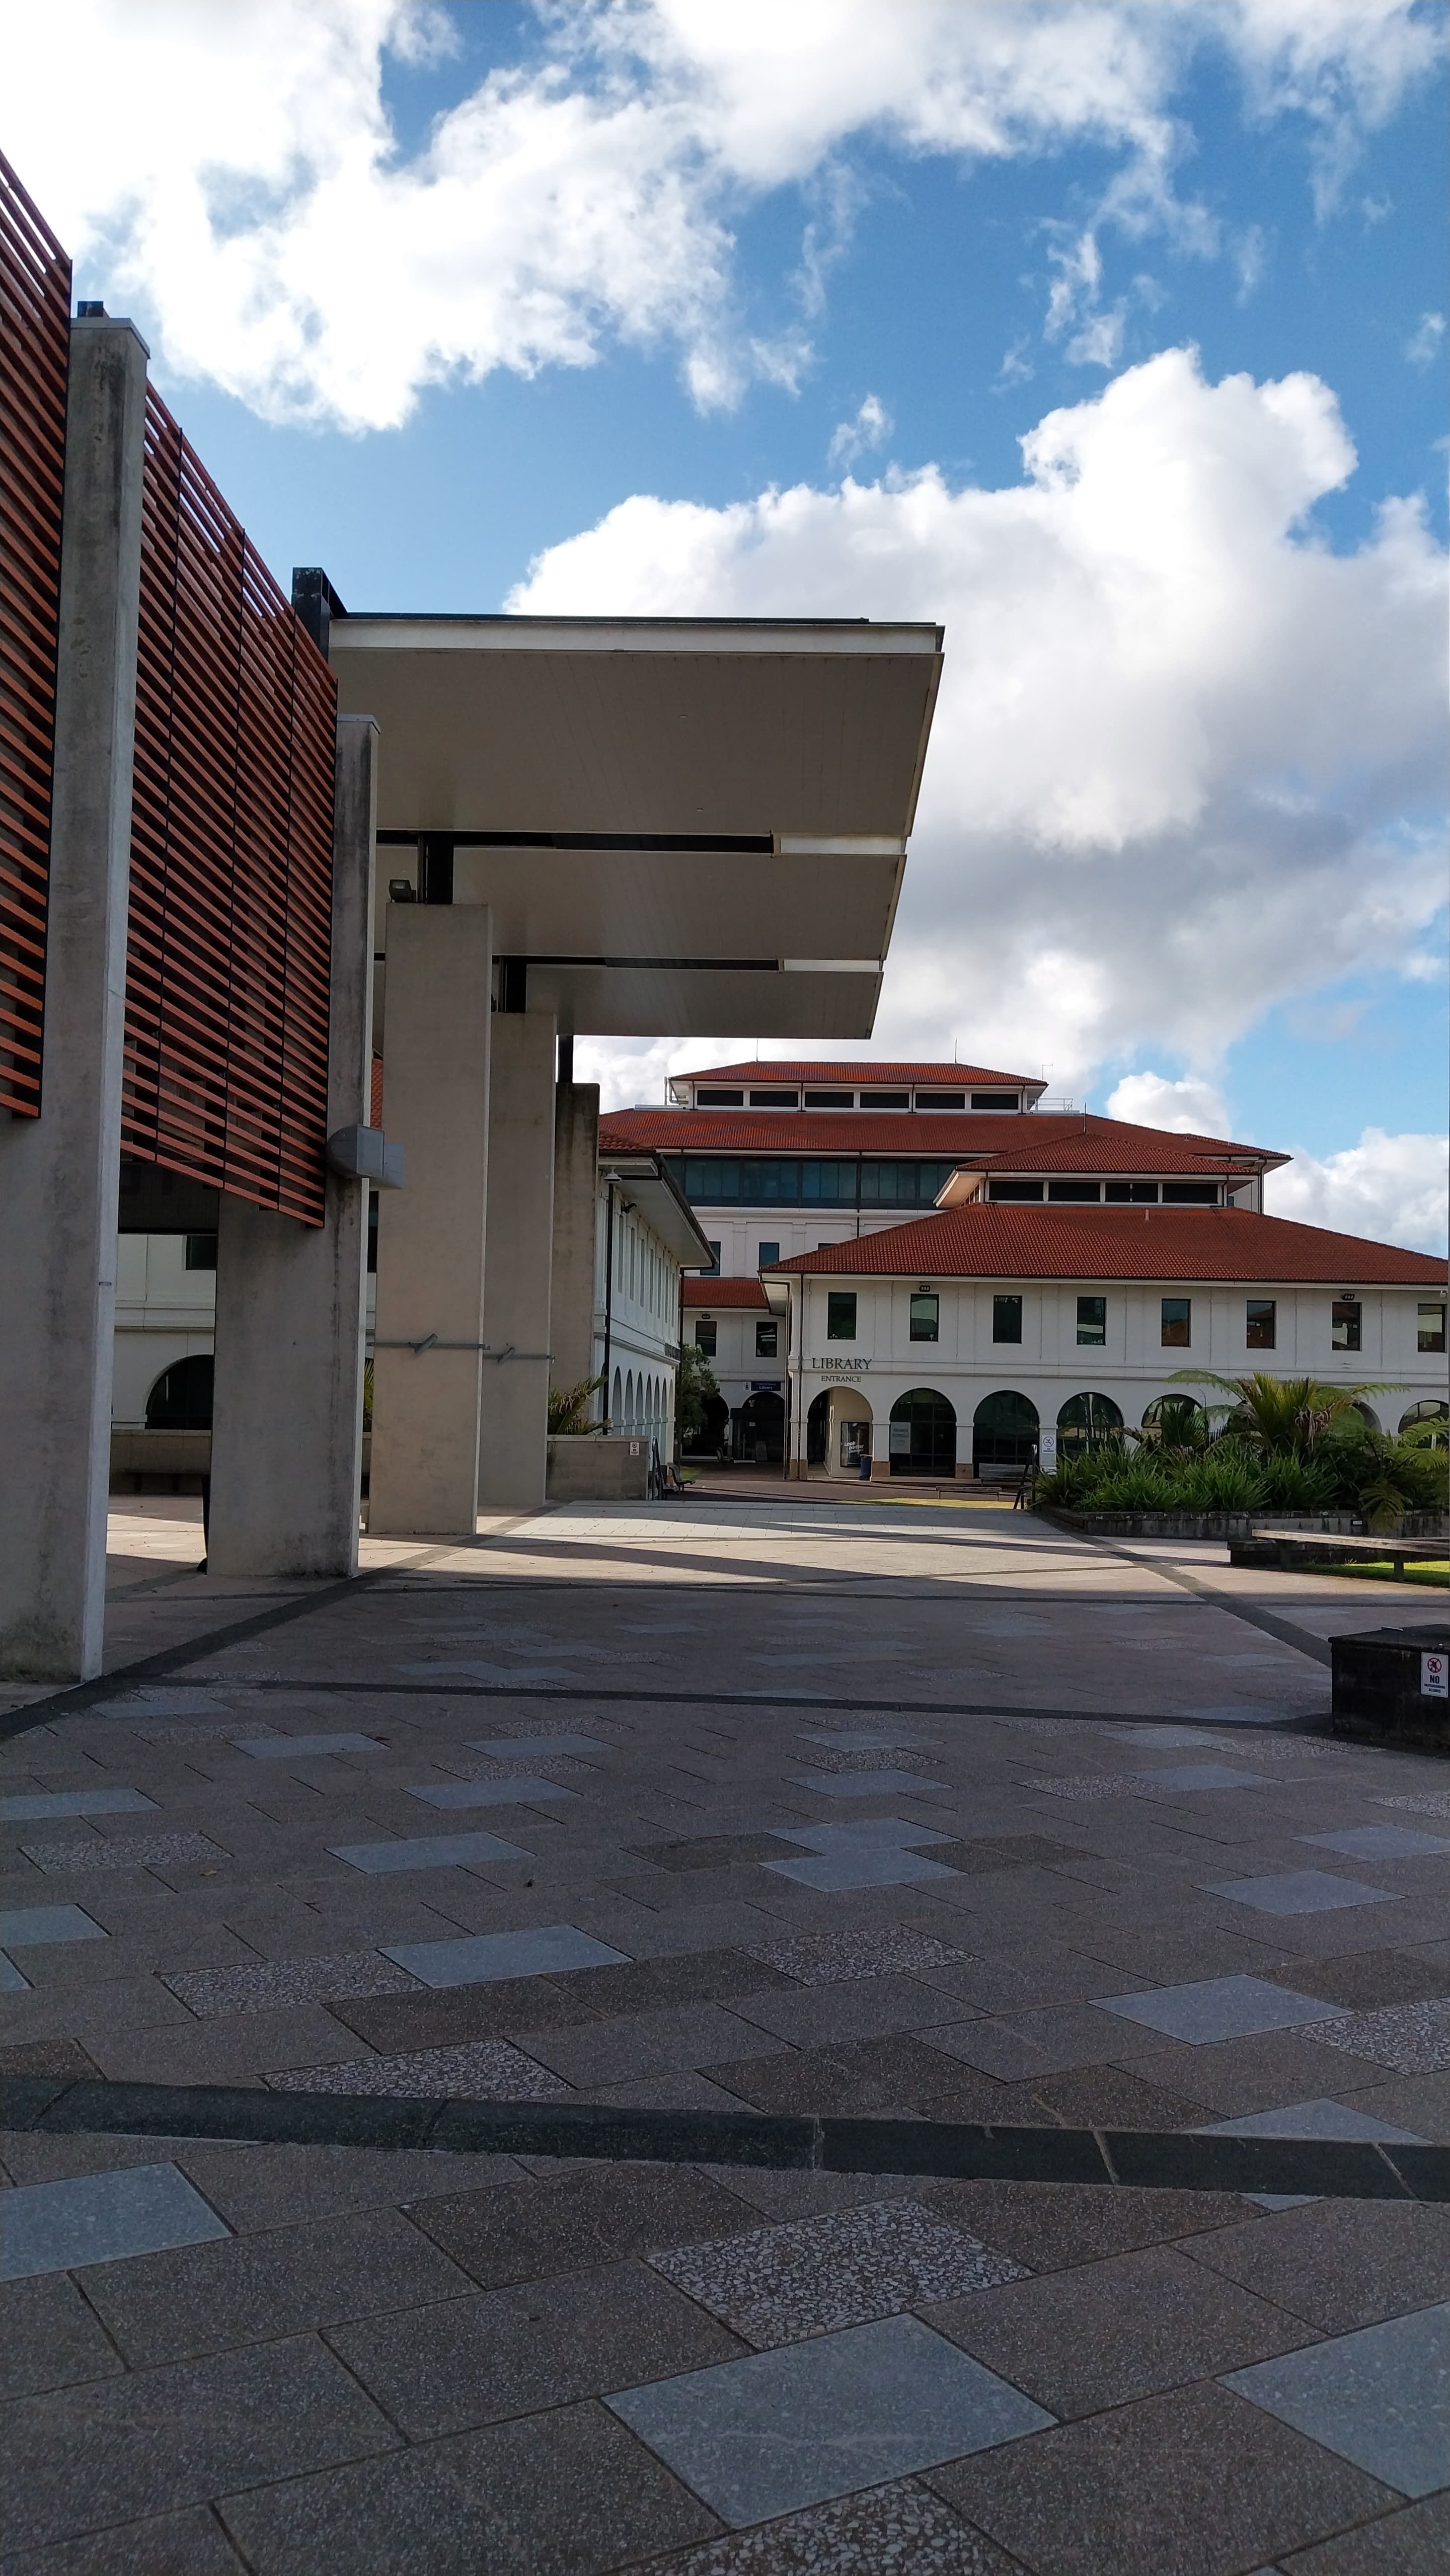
(681, 825)
(643, 1183)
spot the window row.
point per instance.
(1175, 1322)
(1114, 1193)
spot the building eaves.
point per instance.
(1177, 1244)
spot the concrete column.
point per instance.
(286, 1443)
(516, 1301)
(576, 1184)
(59, 1173)
(424, 1476)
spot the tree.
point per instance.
(697, 1383)
(1283, 1417)
(569, 1407)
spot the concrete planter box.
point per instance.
(1222, 1525)
(159, 1461)
(602, 1469)
(1379, 1686)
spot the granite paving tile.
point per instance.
(785, 2429)
(523, 1790)
(812, 2276)
(1122, 2328)
(30, 1806)
(220, 2052)
(1217, 2008)
(543, 1949)
(152, 2441)
(427, 1851)
(1195, 2481)
(543, 1745)
(456, 2015)
(485, 2070)
(648, 2043)
(259, 2288)
(305, 1748)
(1320, 2119)
(49, 2337)
(32, 1927)
(1413, 2542)
(838, 1870)
(1410, 2039)
(829, 1958)
(191, 2543)
(598, 2213)
(1053, 2227)
(1255, 2074)
(891, 1782)
(1365, 1979)
(101, 2218)
(59, 2056)
(1301, 1891)
(134, 1851)
(1100, 2097)
(218, 1992)
(894, 2074)
(511, 2351)
(569, 2493)
(710, 1851)
(1338, 2264)
(897, 2530)
(260, 2187)
(1379, 2398)
(863, 2008)
(1032, 2043)
(1424, 1802)
(1380, 1842)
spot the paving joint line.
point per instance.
(1121, 2159)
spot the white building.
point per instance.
(954, 1345)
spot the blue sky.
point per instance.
(1002, 215)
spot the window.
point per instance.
(994, 1100)
(1131, 1193)
(201, 1253)
(925, 1310)
(767, 1339)
(1260, 1324)
(372, 1231)
(1176, 1328)
(768, 1253)
(841, 1315)
(705, 1335)
(1006, 1319)
(775, 1100)
(886, 1100)
(1344, 1327)
(1190, 1193)
(941, 1100)
(1431, 1333)
(1014, 1193)
(1092, 1320)
(830, 1100)
(719, 1100)
(1072, 1193)
(714, 1270)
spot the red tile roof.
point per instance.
(948, 1076)
(725, 1292)
(1001, 1141)
(1120, 1243)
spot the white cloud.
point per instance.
(1423, 345)
(1177, 738)
(231, 164)
(1191, 1107)
(1390, 1188)
(871, 427)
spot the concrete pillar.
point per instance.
(576, 1185)
(59, 1173)
(286, 1443)
(513, 1454)
(424, 1475)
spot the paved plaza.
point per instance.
(748, 1818)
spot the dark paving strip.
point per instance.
(1157, 2160)
(787, 1701)
(174, 1659)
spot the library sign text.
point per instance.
(841, 1368)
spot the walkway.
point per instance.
(706, 1832)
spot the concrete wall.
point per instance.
(424, 1478)
(59, 1173)
(576, 1191)
(593, 1469)
(516, 1288)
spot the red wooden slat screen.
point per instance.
(231, 855)
(35, 283)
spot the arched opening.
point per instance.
(1174, 1422)
(629, 1421)
(1431, 1411)
(181, 1398)
(1085, 1422)
(616, 1410)
(760, 1430)
(1004, 1432)
(1367, 1415)
(818, 1430)
(923, 1434)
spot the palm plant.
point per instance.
(1280, 1417)
(569, 1407)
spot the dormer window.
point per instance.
(774, 1099)
(719, 1099)
(996, 1100)
(830, 1099)
(941, 1100)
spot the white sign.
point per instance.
(1047, 1450)
(1434, 1670)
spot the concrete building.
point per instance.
(958, 1344)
